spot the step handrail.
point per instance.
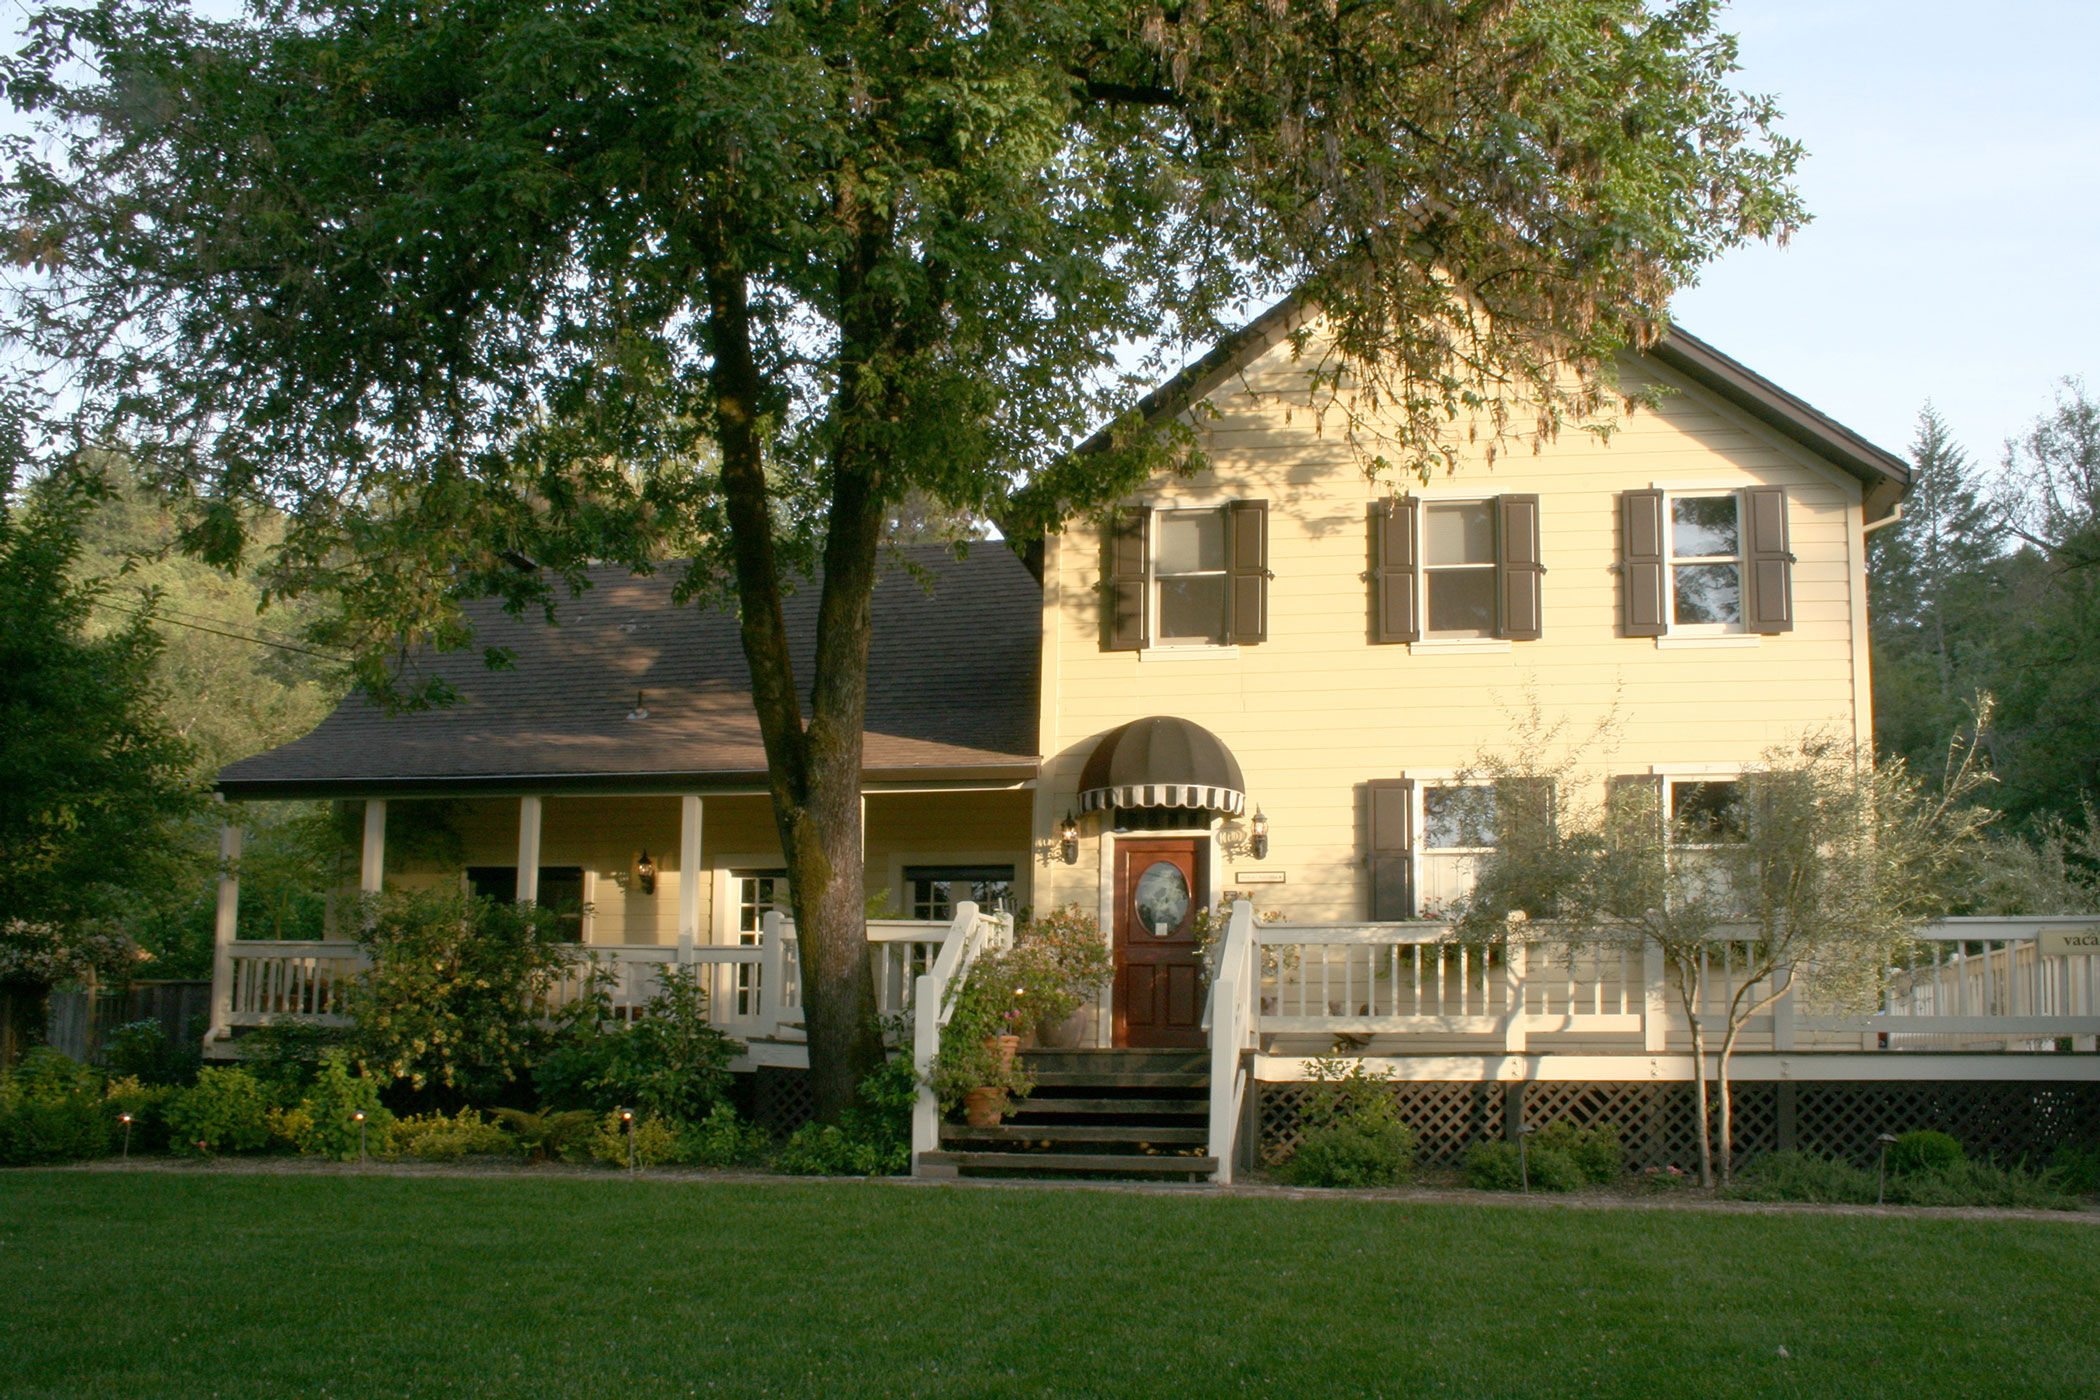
(1233, 985)
(931, 1008)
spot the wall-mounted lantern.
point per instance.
(645, 874)
(1258, 838)
(1068, 838)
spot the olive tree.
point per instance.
(1807, 876)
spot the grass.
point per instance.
(172, 1284)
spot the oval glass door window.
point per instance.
(1162, 898)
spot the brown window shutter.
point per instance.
(1126, 546)
(1641, 572)
(1395, 526)
(1391, 828)
(1771, 564)
(1633, 807)
(1247, 572)
(1518, 571)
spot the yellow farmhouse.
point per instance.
(1267, 679)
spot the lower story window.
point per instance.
(934, 890)
(561, 890)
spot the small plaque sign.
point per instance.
(1257, 877)
(2068, 942)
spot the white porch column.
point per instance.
(1655, 1005)
(529, 849)
(224, 931)
(689, 874)
(1515, 1030)
(372, 876)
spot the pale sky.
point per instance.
(1954, 175)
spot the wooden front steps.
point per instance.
(1127, 1113)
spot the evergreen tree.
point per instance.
(1932, 588)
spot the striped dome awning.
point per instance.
(1162, 761)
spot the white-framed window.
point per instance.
(1703, 584)
(1189, 585)
(1458, 568)
(1182, 581)
(754, 892)
(1460, 823)
(932, 891)
(1705, 811)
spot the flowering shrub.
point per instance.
(1061, 962)
(325, 1122)
(52, 1110)
(457, 993)
(667, 1061)
(48, 953)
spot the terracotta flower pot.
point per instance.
(1005, 1047)
(983, 1108)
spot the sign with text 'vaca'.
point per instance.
(2068, 942)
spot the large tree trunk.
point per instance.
(813, 762)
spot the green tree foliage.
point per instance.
(95, 782)
(485, 293)
(2047, 748)
(1814, 885)
(1933, 583)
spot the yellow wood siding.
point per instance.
(1317, 710)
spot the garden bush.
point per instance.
(52, 1110)
(287, 1054)
(554, 1135)
(454, 1000)
(1804, 1176)
(872, 1137)
(722, 1139)
(668, 1061)
(148, 1106)
(1595, 1150)
(1353, 1135)
(325, 1122)
(226, 1110)
(1499, 1166)
(1966, 1183)
(140, 1050)
(656, 1140)
(435, 1138)
(2076, 1167)
(1923, 1150)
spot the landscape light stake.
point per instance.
(1524, 1132)
(360, 1117)
(627, 1119)
(1881, 1191)
(125, 1119)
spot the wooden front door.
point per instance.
(1159, 887)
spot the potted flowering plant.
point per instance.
(1061, 962)
(977, 1066)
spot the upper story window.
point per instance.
(1705, 811)
(1458, 568)
(1455, 571)
(1188, 571)
(1705, 563)
(1185, 578)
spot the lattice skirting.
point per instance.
(781, 1099)
(1659, 1122)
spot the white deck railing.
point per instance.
(972, 933)
(753, 989)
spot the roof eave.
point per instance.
(324, 789)
(1884, 475)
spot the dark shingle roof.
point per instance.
(952, 693)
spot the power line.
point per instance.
(216, 632)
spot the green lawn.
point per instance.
(167, 1284)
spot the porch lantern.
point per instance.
(1258, 835)
(1068, 839)
(645, 874)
